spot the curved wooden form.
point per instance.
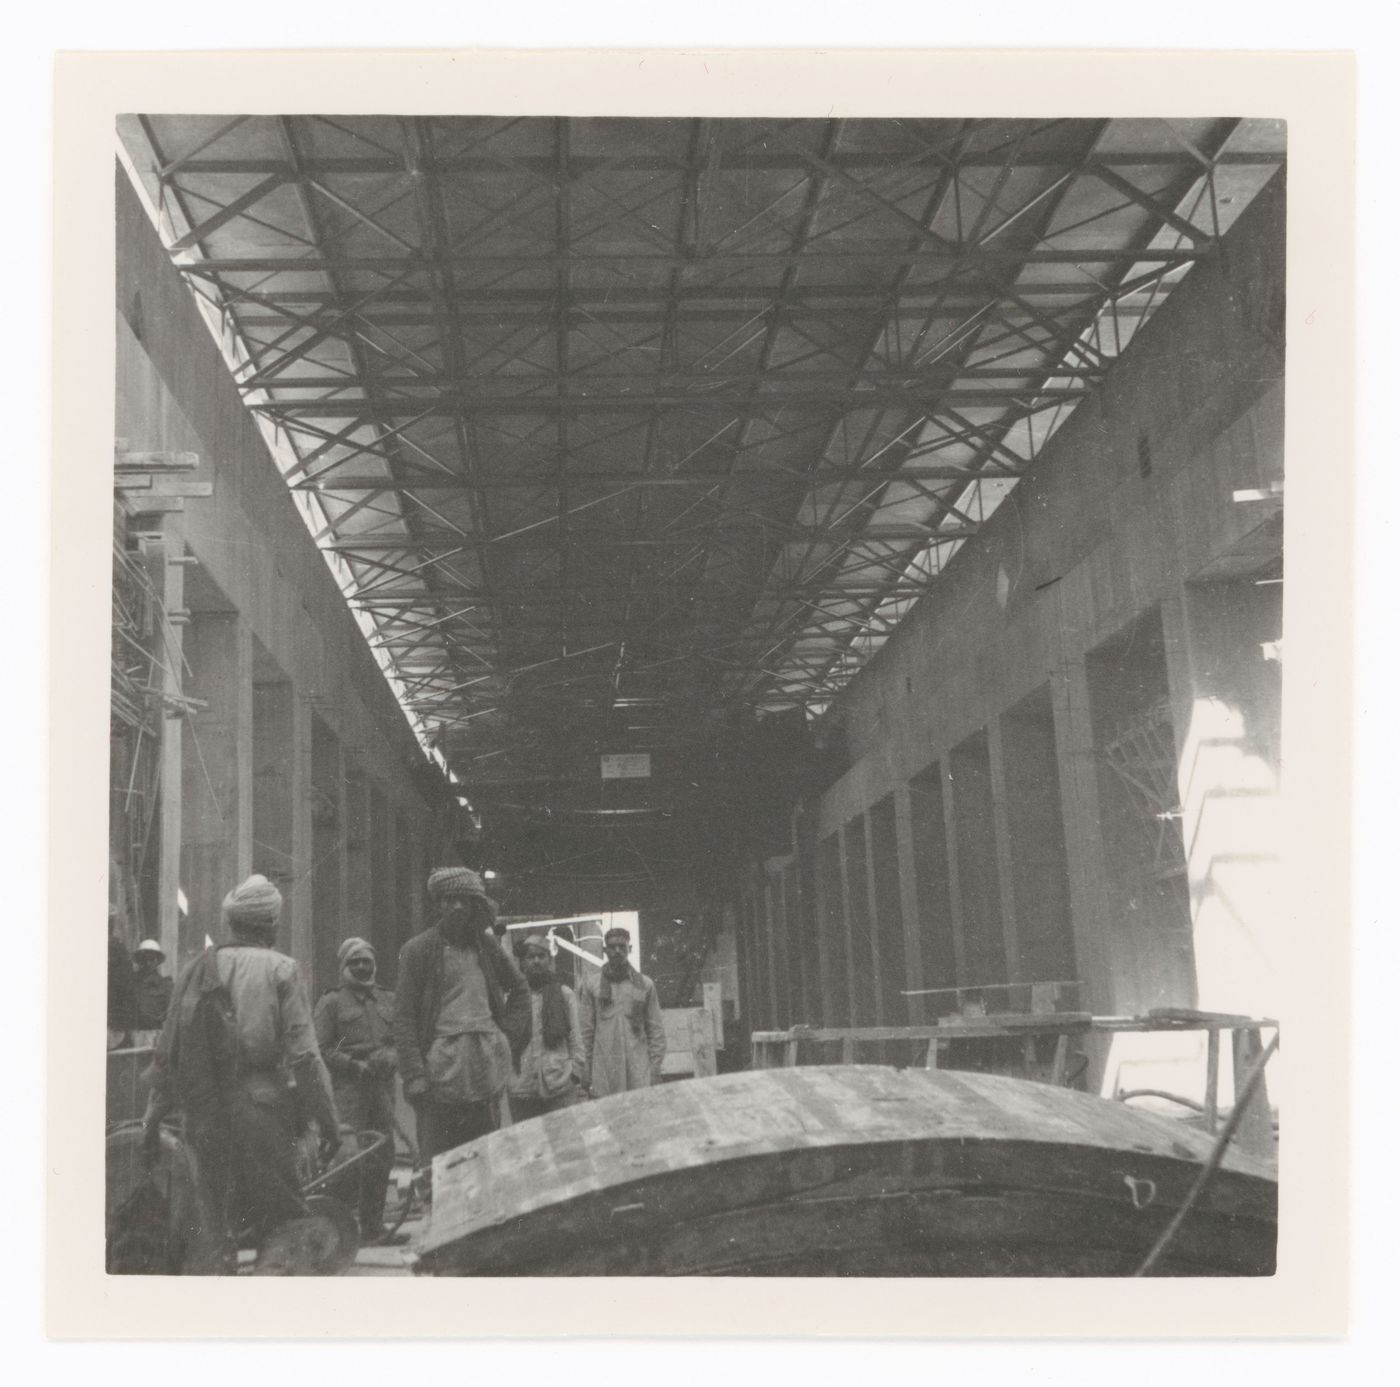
(844, 1170)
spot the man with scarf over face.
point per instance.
(354, 1029)
(461, 1016)
(229, 1079)
(624, 1040)
(551, 1066)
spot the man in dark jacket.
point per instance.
(153, 988)
(461, 1016)
(354, 1030)
(123, 1016)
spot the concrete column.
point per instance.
(1084, 851)
(950, 856)
(1031, 834)
(357, 909)
(393, 935)
(933, 918)
(327, 869)
(809, 919)
(216, 850)
(168, 578)
(909, 904)
(752, 955)
(379, 850)
(846, 1015)
(731, 926)
(796, 940)
(776, 949)
(831, 944)
(301, 902)
(418, 874)
(406, 874)
(979, 884)
(1002, 790)
(863, 960)
(274, 767)
(887, 915)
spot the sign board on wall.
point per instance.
(627, 765)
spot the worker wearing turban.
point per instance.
(462, 1015)
(354, 1028)
(238, 1029)
(254, 906)
(551, 1067)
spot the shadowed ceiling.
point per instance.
(622, 434)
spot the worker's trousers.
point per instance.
(441, 1126)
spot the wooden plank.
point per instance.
(156, 462)
(142, 503)
(1014, 1023)
(164, 486)
(682, 1025)
(1008, 1024)
(954, 1028)
(713, 994)
(702, 1042)
(1187, 1016)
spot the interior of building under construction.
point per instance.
(848, 550)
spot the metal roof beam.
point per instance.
(783, 477)
(960, 257)
(760, 160)
(538, 593)
(228, 212)
(785, 628)
(700, 384)
(833, 401)
(696, 302)
(611, 539)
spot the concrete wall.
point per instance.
(995, 726)
(300, 764)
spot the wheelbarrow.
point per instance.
(152, 1210)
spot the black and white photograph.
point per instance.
(700, 697)
(847, 551)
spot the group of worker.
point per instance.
(469, 1029)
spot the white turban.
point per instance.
(257, 901)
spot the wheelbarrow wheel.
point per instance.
(322, 1243)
